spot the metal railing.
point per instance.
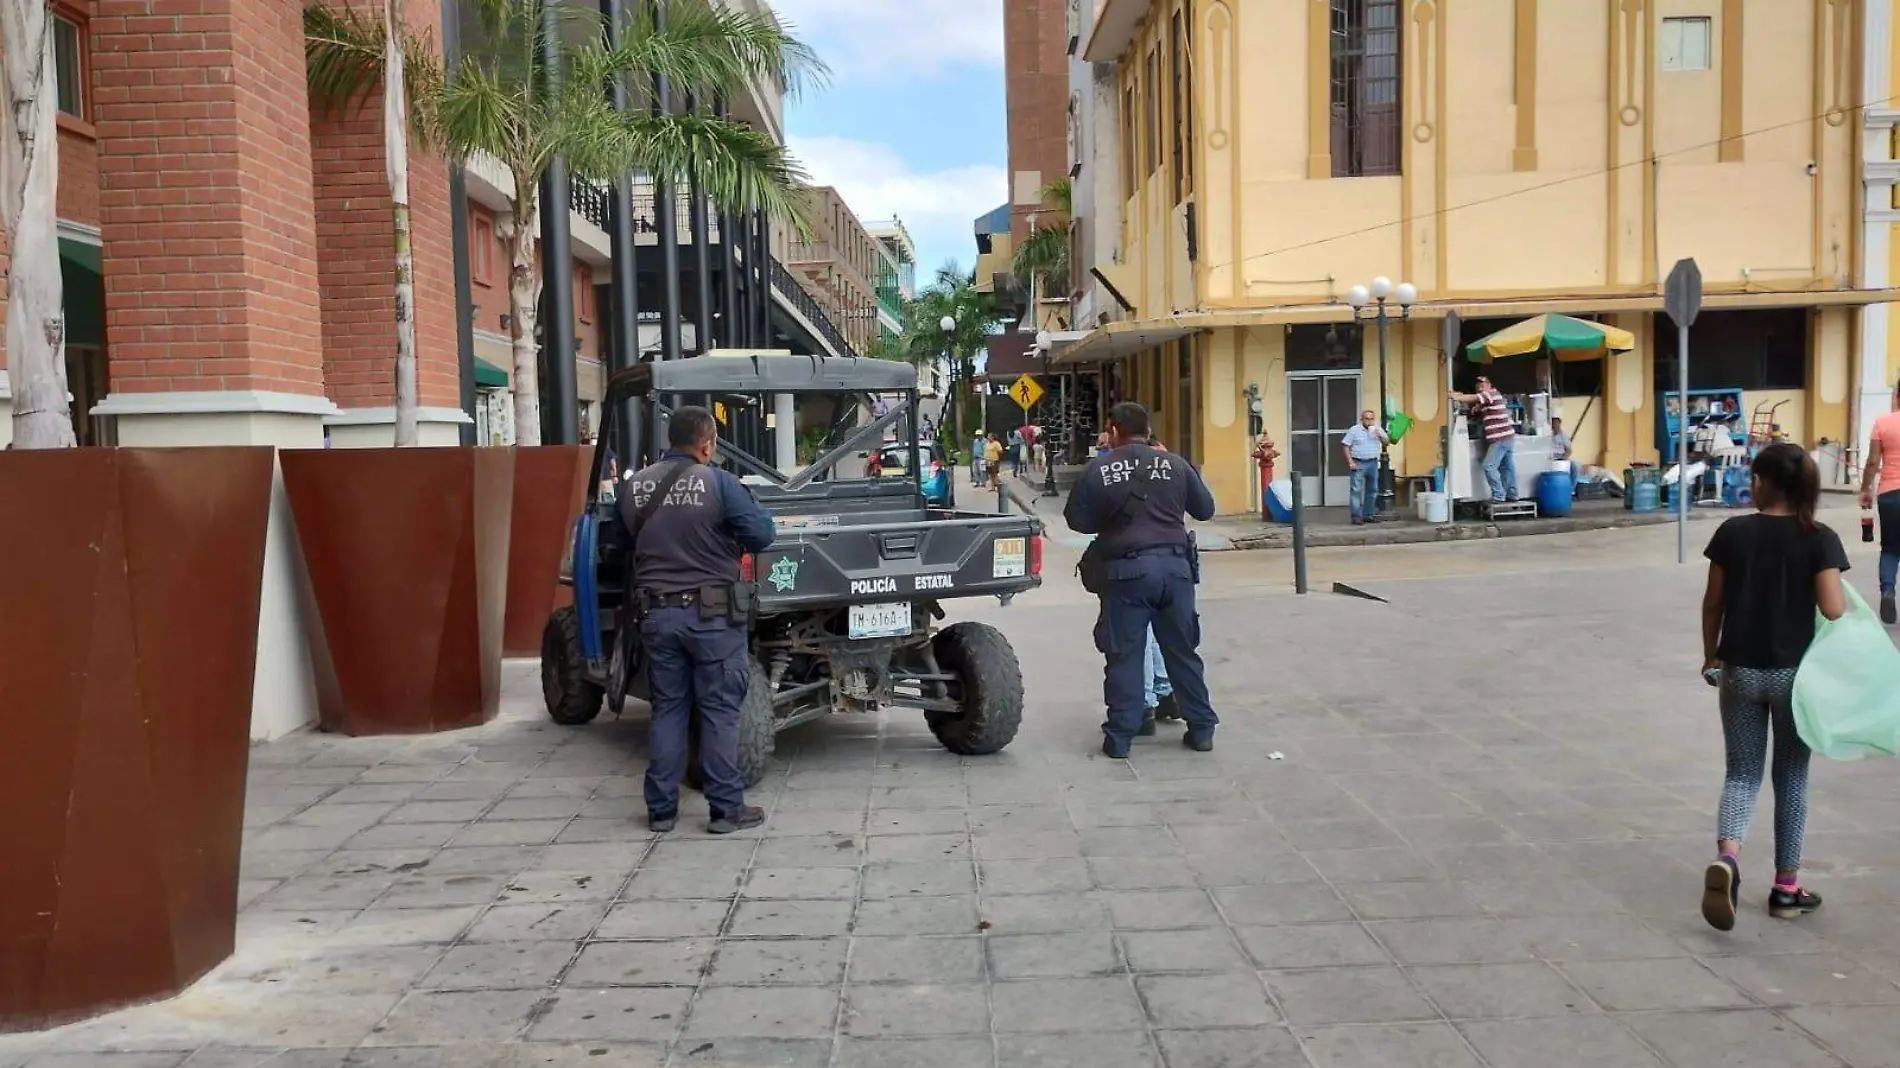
(789, 288)
(589, 201)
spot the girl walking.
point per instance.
(1768, 574)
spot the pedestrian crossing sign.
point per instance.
(1026, 391)
(719, 412)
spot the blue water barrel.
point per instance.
(1554, 492)
(1645, 497)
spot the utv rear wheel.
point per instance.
(572, 698)
(757, 737)
(989, 689)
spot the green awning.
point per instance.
(488, 376)
(85, 292)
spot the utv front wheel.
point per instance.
(989, 690)
(757, 735)
(572, 698)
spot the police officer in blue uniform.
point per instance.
(686, 555)
(1133, 498)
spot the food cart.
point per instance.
(1550, 337)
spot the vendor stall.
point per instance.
(1558, 337)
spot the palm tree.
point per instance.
(1043, 257)
(29, 159)
(530, 88)
(952, 293)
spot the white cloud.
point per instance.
(938, 207)
(909, 37)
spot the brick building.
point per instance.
(227, 248)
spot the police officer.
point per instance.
(1132, 497)
(686, 555)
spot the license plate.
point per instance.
(879, 621)
(1011, 558)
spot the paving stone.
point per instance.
(1106, 1004)
(1628, 985)
(878, 1011)
(676, 962)
(1499, 991)
(1043, 913)
(1134, 873)
(664, 919)
(1867, 1036)
(1565, 1042)
(917, 961)
(800, 919)
(915, 1053)
(1746, 1039)
(661, 883)
(801, 883)
(1159, 910)
(1268, 905)
(780, 961)
(1260, 1047)
(1206, 949)
(754, 1053)
(763, 1012)
(1200, 1001)
(918, 915)
(540, 885)
(1111, 1049)
(438, 1017)
(1784, 980)
(1347, 995)
(405, 926)
(1079, 954)
(1057, 876)
(1404, 1045)
(559, 921)
(918, 878)
(621, 1014)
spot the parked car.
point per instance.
(892, 458)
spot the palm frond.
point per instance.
(740, 167)
(343, 64)
(479, 112)
(1060, 193)
(709, 50)
(1044, 254)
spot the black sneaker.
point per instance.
(1721, 890)
(1200, 743)
(1787, 904)
(1109, 750)
(662, 824)
(1167, 707)
(1887, 614)
(750, 816)
(1147, 728)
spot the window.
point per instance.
(1684, 44)
(69, 63)
(1151, 137)
(1183, 116)
(584, 294)
(1366, 116)
(481, 252)
(1128, 142)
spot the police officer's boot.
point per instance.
(1147, 728)
(1167, 708)
(1199, 741)
(750, 816)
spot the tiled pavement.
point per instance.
(1460, 829)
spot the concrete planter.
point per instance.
(128, 645)
(550, 483)
(406, 553)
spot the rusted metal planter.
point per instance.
(128, 648)
(550, 483)
(406, 554)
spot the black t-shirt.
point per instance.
(1768, 566)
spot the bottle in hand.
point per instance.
(1866, 525)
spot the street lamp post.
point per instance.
(1405, 294)
(1046, 345)
(948, 324)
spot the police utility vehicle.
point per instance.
(844, 609)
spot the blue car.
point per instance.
(894, 455)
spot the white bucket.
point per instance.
(1437, 508)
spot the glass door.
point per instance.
(1320, 409)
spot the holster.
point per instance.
(744, 596)
(715, 602)
(1194, 558)
(639, 604)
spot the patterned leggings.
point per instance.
(1752, 699)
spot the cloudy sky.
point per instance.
(911, 124)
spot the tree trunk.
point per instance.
(524, 297)
(396, 158)
(29, 179)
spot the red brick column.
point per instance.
(356, 251)
(205, 196)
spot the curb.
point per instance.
(1283, 538)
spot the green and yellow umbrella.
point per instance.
(1561, 336)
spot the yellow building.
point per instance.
(1508, 158)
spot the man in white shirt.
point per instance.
(1362, 445)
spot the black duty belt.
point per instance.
(681, 599)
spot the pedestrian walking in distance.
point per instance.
(688, 523)
(1768, 574)
(1880, 486)
(1134, 499)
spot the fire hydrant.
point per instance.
(1265, 454)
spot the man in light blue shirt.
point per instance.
(1362, 445)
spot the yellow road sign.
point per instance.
(1026, 391)
(719, 411)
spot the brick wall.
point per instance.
(1036, 62)
(356, 253)
(205, 195)
(78, 176)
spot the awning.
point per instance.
(488, 376)
(1116, 22)
(1131, 336)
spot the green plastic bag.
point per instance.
(1847, 690)
(1400, 423)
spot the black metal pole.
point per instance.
(736, 233)
(623, 331)
(459, 248)
(1299, 537)
(666, 215)
(762, 244)
(702, 264)
(1048, 455)
(728, 334)
(560, 405)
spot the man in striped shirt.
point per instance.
(1500, 438)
